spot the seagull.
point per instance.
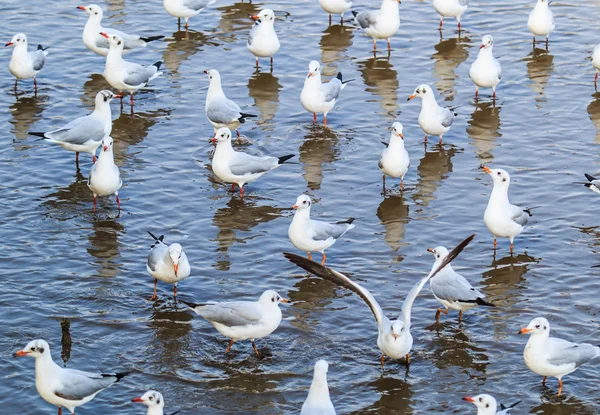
(394, 338)
(310, 235)
(125, 75)
(263, 41)
(167, 263)
(239, 168)
(68, 388)
(594, 183)
(105, 178)
(317, 97)
(452, 289)
(243, 320)
(596, 62)
(382, 23)
(500, 217)
(184, 9)
(450, 8)
(550, 356)
(541, 20)
(336, 7)
(154, 401)
(394, 159)
(221, 111)
(84, 134)
(486, 405)
(433, 119)
(318, 402)
(24, 64)
(98, 44)
(486, 71)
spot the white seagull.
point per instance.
(167, 263)
(221, 111)
(486, 71)
(593, 183)
(68, 388)
(84, 134)
(263, 41)
(336, 7)
(550, 356)
(596, 61)
(487, 405)
(105, 178)
(24, 64)
(382, 23)
(394, 160)
(318, 402)
(452, 289)
(310, 235)
(318, 97)
(243, 320)
(501, 217)
(154, 401)
(394, 338)
(450, 8)
(95, 42)
(125, 75)
(433, 119)
(541, 20)
(239, 168)
(184, 9)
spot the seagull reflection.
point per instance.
(395, 396)
(381, 79)
(319, 147)
(484, 129)
(449, 54)
(67, 202)
(540, 65)
(453, 348)
(131, 129)
(264, 88)
(25, 112)
(171, 336)
(235, 17)
(505, 275)
(92, 86)
(334, 43)
(433, 168)
(594, 111)
(311, 295)
(393, 214)
(572, 405)
(105, 246)
(185, 44)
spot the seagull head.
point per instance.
(321, 368)
(500, 177)
(175, 252)
(271, 298)
(93, 10)
(107, 143)
(18, 40)
(105, 96)
(314, 68)
(265, 15)
(152, 399)
(439, 253)
(302, 202)
(487, 42)
(35, 349)
(397, 129)
(485, 403)
(421, 91)
(114, 41)
(538, 325)
(222, 135)
(213, 75)
(397, 329)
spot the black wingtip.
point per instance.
(339, 76)
(354, 13)
(244, 115)
(119, 376)
(283, 159)
(157, 64)
(37, 134)
(588, 185)
(190, 304)
(503, 407)
(151, 38)
(348, 221)
(528, 211)
(481, 301)
(40, 47)
(590, 177)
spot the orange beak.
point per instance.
(310, 74)
(295, 207)
(81, 7)
(104, 34)
(468, 399)
(285, 300)
(411, 97)
(175, 266)
(105, 148)
(401, 136)
(430, 250)
(137, 400)
(399, 1)
(395, 335)
(255, 17)
(486, 169)
(524, 330)
(8, 44)
(20, 353)
(213, 140)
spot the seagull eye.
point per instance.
(487, 405)
(480, 399)
(151, 398)
(537, 327)
(273, 299)
(499, 173)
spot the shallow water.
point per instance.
(61, 261)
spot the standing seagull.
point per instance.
(24, 64)
(184, 9)
(433, 119)
(263, 41)
(549, 356)
(317, 97)
(394, 338)
(310, 235)
(243, 320)
(125, 75)
(97, 43)
(452, 289)
(167, 263)
(68, 388)
(450, 8)
(154, 401)
(105, 178)
(541, 20)
(239, 168)
(501, 217)
(318, 402)
(394, 159)
(84, 134)
(382, 23)
(221, 111)
(486, 71)
(336, 7)
(487, 405)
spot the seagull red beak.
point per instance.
(206, 72)
(285, 300)
(295, 207)
(20, 353)
(105, 148)
(175, 266)
(104, 34)
(8, 44)
(430, 250)
(524, 330)
(486, 169)
(310, 74)
(482, 46)
(468, 399)
(255, 17)
(81, 7)
(137, 400)
(411, 97)
(118, 96)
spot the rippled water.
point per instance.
(61, 261)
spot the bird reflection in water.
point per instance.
(26, 111)
(91, 87)
(185, 44)
(334, 43)
(234, 18)
(452, 348)
(448, 55)
(171, 335)
(593, 110)
(395, 396)
(433, 168)
(65, 354)
(393, 212)
(484, 129)
(381, 79)
(264, 88)
(67, 202)
(131, 129)
(320, 146)
(311, 295)
(540, 65)
(105, 247)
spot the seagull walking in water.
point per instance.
(167, 263)
(263, 41)
(24, 64)
(541, 20)
(486, 71)
(382, 23)
(105, 177)
(394, 160)
(450, 8)
(433, 119)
